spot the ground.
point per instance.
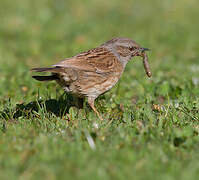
(151, 126)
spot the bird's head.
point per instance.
(125, 49)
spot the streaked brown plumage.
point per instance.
(92, 73)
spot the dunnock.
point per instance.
(92, 73)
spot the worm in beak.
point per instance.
(145, 61)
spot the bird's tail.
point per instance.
(46, 78)
(52, 77)
(53, 70)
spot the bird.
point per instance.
(94, 72)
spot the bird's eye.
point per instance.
(131, 48)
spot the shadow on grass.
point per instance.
(59, 107)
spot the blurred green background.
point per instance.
(150, 128)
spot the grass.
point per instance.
(151, 126)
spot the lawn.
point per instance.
(151, 125)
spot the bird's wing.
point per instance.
(99, 60)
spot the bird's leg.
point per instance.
(91, 103)
(78, 102)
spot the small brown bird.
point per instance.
(92, 73)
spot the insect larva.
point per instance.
(146, 65)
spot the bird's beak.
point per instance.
(144, 49)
